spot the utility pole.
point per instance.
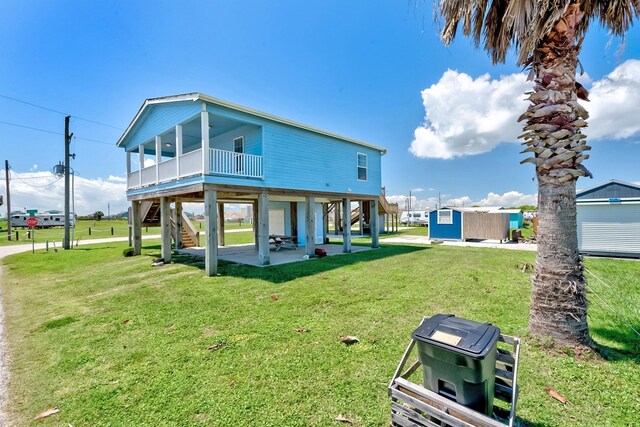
(67, 142)
(6, 174)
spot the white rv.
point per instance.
(415, 217)
(45, 219)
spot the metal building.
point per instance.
(608, 218)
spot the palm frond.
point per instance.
(522, 24)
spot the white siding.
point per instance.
(610, 228)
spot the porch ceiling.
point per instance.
(191, 139)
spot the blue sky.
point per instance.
(356, 68)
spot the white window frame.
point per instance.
(445, 220)
(241, 138)
(365, 167)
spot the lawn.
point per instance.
(84, 230)
(113, 341)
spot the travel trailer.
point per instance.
(46, 219)
(415, 217)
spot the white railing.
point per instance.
(191, 163)
(149, 175)
(133, 180)
(167, 170)
(237, 164)
(221, 162)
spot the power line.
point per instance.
(31, 185)
(59, 112)
(32, 128)
(54, 133)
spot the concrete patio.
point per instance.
(247, 254)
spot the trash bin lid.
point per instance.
(456, 334)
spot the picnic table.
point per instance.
(278, 242)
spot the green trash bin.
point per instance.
(458, 357)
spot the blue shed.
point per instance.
(445, 224)
(515, 218)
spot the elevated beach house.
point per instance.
(195, 148)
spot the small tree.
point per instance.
(98, 215)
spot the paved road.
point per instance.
(4, 361)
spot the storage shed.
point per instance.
(468, 224)
(516, 218)
(608, 219)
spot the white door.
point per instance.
(276, 222)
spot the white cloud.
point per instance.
(114, 178)
(34, 167)
(44, 191)
(508, 199)
(615, 102)
(466, 116)
(417, 190)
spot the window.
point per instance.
(362, 167)
(238, 145)
(445, 217)
(238, 150)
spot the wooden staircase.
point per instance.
(151, 218)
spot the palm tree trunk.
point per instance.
(558, 300)
(553, 134)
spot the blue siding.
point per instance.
(252, 139)
(158, 119)
(515, 220)
(302, 217)
(445, 231)
(301, 160)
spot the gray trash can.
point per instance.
(458, 357)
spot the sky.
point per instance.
(371, 70)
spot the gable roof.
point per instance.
(197, 96)
(621, 189)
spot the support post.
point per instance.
(254, 224)
(136, 223)
(221, 224)
(204, 128)
(263, 229)
(140, 163)
(178, 149)
(6, 174)
(361, 217)
(336, 218)
(346, 225)
(128, 163)
(310, 225)
(325, 222)
(178, 222)
(165, 229)
(373, 224)
(158, 157)
(211, 232)
(67, 208)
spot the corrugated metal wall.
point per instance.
(609, 228)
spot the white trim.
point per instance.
(366, 166)
(202, 97)
(439, 221)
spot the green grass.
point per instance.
(98, 230)
(113, 341)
